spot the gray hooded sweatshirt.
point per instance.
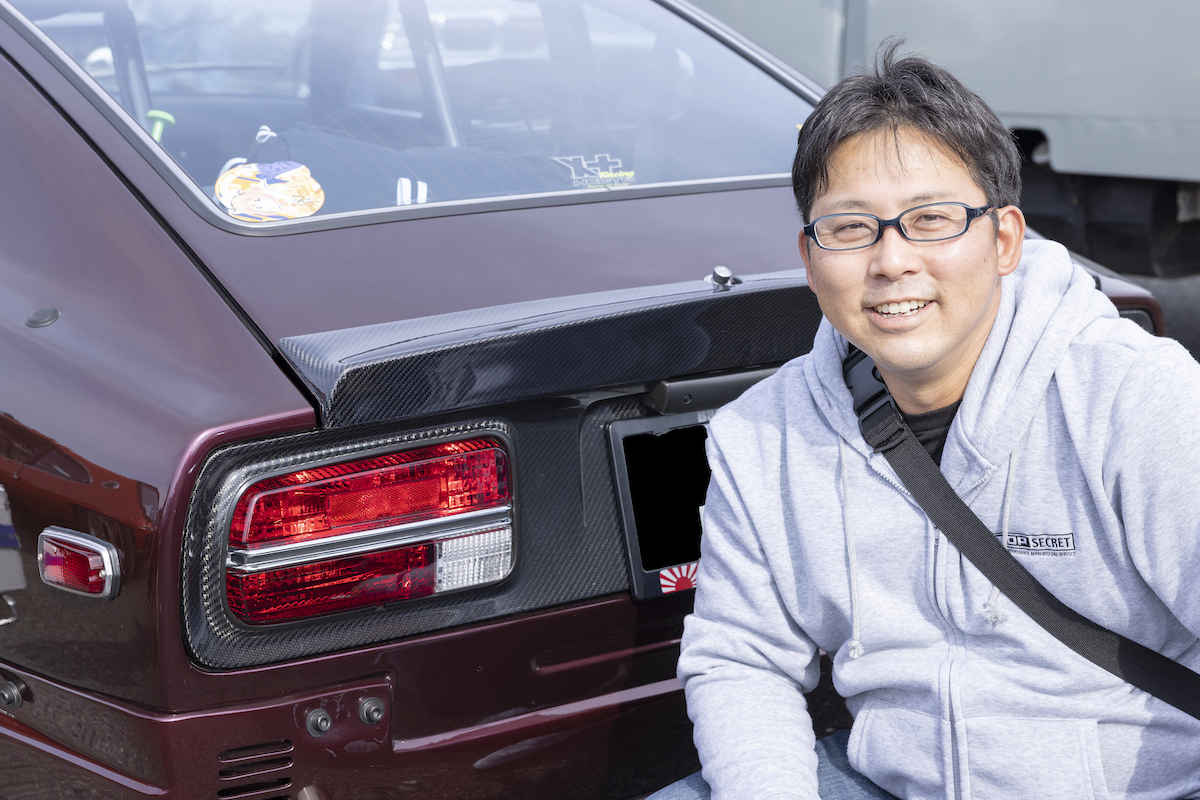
(1078, 442)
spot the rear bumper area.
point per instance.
(609, 746)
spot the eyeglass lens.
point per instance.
(921, 224)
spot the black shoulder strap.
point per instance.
(884, 429)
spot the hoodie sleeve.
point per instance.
(1153, 473)
(745, 664)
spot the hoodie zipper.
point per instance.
(955, 769)
(947, 626)
(954, 748)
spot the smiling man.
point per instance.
(1069, 431)
(918, 295)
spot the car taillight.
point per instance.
(362, 533)
(78, 563)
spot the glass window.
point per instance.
(282, 109)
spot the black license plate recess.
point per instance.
(662, 475)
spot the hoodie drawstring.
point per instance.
(991, 609)
(856, 648)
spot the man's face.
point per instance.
(952, 287)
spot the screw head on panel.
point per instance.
(370, 710)
(10, 695)
(319, 722)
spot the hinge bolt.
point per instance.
(10, 695)
(319, 722)
(370, 710)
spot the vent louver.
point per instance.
(253, 772)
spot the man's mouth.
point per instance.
(902, 309)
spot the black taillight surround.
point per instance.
(217, 639)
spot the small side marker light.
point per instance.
(78, 563)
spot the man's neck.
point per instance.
(921, 393)
(925, 398)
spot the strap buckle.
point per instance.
(873, 403)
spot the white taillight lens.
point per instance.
(473, 560)
(372, 531)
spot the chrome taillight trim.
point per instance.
(108, 557)
(219, 640)
(290, 555)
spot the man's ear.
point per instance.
(805, 252)
(1010, 236)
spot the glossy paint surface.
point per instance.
(104, 406)
(422, 267)
(598, 716)
(547, 704)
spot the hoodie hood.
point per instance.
(1044, 304)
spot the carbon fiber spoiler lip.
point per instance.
(450, 362)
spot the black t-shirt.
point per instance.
(931, 428)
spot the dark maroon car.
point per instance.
(356, 358)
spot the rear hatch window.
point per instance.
(285, 110)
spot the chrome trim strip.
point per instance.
(108, 556)
(290, 555)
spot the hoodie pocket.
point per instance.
(899, 749)
(1010, 757)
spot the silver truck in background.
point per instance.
(1103, 96)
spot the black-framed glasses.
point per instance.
(932, 222)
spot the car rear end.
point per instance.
(391, 496)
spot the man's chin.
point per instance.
(907, 361)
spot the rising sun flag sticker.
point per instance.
(676, 579)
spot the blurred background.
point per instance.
(1103, 96)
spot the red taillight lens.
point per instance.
(78, 563)
(334, 500)
(72, 567)
(371, 531)
(325, 587)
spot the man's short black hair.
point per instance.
(908, 93)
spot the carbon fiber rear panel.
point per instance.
(549, 392)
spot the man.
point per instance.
(1066, 429)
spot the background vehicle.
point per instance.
(356, 361)
(1099, 99)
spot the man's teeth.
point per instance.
(903, 307)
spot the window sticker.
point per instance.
(270, 192)
(404, 192)
(601, 171)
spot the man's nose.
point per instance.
(893, 255)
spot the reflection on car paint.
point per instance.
(12, 575)
(42, 473)
(22, 445)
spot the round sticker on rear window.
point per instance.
(270, 192)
